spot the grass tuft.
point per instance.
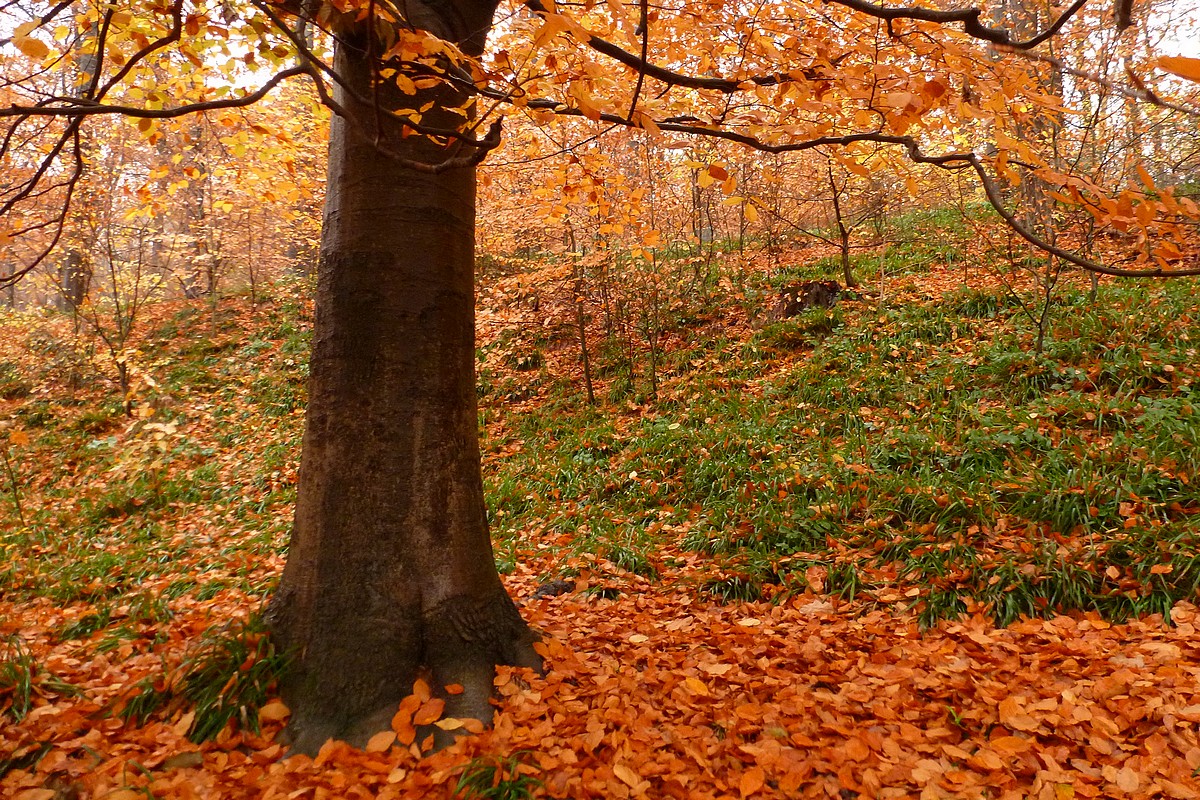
(495, 778)
(227, 677)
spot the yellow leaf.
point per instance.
(34, 48)
(1182, 66)
(751, 213)
(185, 722)
(698, 686)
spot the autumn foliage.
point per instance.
(934, 537)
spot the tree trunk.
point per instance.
(390, 574)
(74, 277)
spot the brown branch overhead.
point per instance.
(643, 30)
(949, 161)
(173, 35)
(59, 221)
(1123, 12)
(78, 107)
(49, 16)
(672, 78)
(969, 17)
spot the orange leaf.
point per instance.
(37, 794)
(274, 711)
(1182, 66)
(430, 711)
(1010, 745)
(627, 776)
(34, 48)
(380, 742)
(327, 751)
(752, 780)
(697, 686)
(406, 734)
(986, 760)
(1128, 780)
(1013, 716)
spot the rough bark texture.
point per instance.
(390, 573)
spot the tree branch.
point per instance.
(948, 161)
(671, 78)
(1138, 92)
(78, 107)
(49, 16)
(969, 17)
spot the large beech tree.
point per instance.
(390, 569)
(390, 575)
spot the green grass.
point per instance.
(862, 451)
(495, 778)
(22, 679)
(925, 441)
(225, 678)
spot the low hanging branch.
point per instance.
(949, 161)
(80, 107)
(969, 17)
(643, 67)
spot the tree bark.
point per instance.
(390, 574)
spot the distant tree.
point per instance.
(390, 574)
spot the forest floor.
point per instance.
(879, 550)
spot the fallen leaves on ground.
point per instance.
(661, 694)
